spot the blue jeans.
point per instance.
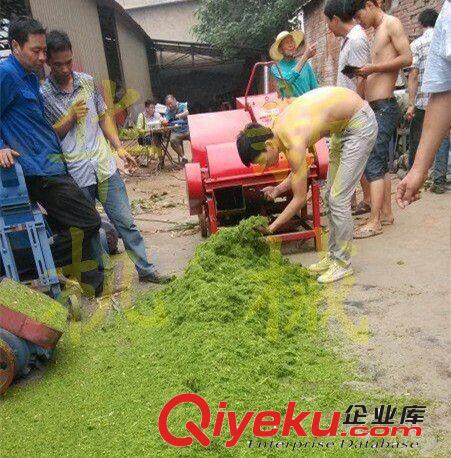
(441, 158)
(112, 194)
(441, 162)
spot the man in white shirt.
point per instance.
(418, 99)
(355, 52)
(437, 120)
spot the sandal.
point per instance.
(361, 209)
(384, 222)
(366, 232)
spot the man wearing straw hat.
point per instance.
(293, 73)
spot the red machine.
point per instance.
(221, 190)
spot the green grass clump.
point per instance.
(241, 325)
(36, 305)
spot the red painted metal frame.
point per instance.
(211, 132)
(23, 326)
(249, 85)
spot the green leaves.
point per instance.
(231, 24)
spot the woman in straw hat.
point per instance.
(294, 75)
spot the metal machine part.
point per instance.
(25, 257)
(221, 190)
(18, 357)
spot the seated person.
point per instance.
(147, 120)
(177, 115)
(293, 74)
(341, 113)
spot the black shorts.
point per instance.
(387, 115)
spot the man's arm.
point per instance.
(7, 94)
(77, 111)
(436, 125)
(298, 163)
(412, 88)
(401, 44)
(182, 115)
(109, 129)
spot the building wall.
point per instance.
(135, 65)
(79, 18)
(325, 62)
(168, 21)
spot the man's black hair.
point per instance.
(428, 17)
(360, 4)
(251, 142)
(58, 41)
(21, 28)
(149, 102)
(343, 9)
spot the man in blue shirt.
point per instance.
(293, 73)
(26, 136)
(177, 115)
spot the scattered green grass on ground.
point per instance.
(241, 325)
(36, 305)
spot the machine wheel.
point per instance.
(203, 224)
(7, 366)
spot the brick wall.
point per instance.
(325, 62)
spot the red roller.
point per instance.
(213, 128)
(194, 188)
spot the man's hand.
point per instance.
(310, 52)
(270, 193)
(7, 156)
(129, 161)
(263, 230)
(409, 188)
(410, 113)
(365, 71)
(78, 110)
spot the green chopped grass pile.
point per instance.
(36, 305)
(241, 325)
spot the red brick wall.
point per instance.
(326, 61)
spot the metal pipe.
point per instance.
(266, 79)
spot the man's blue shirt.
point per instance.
(182, 124)
(23, 126)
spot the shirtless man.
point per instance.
(351, 123)
(390, 52)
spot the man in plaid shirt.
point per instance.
(418, 99)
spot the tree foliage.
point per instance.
(228, 24)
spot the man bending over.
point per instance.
(338, 112)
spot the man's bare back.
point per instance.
(382, 85)
(318, 113)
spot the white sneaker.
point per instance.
(321, 266)
(335, 272)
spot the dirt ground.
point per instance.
(401, 288)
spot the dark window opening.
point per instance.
(111, 45)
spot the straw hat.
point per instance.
(274, 51)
